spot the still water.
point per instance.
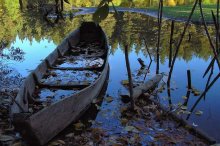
(37, 39)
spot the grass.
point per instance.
(182, 12)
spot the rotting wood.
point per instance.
(129, 78)
(171, 43)
(189, 79)
(160, 13)
(41, 125)
(145, 87)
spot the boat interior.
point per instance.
(77, 68)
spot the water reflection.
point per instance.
(123, 3)
(37, 40)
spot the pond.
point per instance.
(36, 38)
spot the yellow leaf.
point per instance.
(79, 126)
(70, 135)
(124, 121)
(184, 107)
(109, 99)
(131, 129)
(125, 82)
(198, 112)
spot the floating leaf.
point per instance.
(198, 112)
(194, 125)
(101, 13)
(124, 121)
(97, 106)
(196, 93)
(184, 97)
(184, 107)
(61, 142)
(109, 99)
(79, 126)
(70, 135)
(125, 82)
(131, 129)
(187, 112)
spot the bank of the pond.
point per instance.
(169, 13)
(182, 12)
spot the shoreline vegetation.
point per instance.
(182, 12)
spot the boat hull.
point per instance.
(42, 126)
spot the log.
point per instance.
(150, 84)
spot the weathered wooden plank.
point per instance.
(48, 122)
(150, 84)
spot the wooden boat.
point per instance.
(63, 86)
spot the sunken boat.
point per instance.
(63, 86)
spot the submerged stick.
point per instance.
(204, 92)
(171, 43)
(148, 68)
(209, 78)
(208, 35)
(160, 12)
(217, 29)
(145, 42)
(169, 99)
(145, 87)
(129, 77)
(180, 42)
(189, 79)
(208, 68)
(141, 62)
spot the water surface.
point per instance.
(37, 39)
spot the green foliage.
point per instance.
(182, 12)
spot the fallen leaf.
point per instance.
(109, 99)
(70, 135)
(125, 82)
(124, 121)
(97, 107)
(131, 129)
(184, 107)
(61, 142)
(194, 125)
(198, 112)
(79, 126)
(196, 93)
